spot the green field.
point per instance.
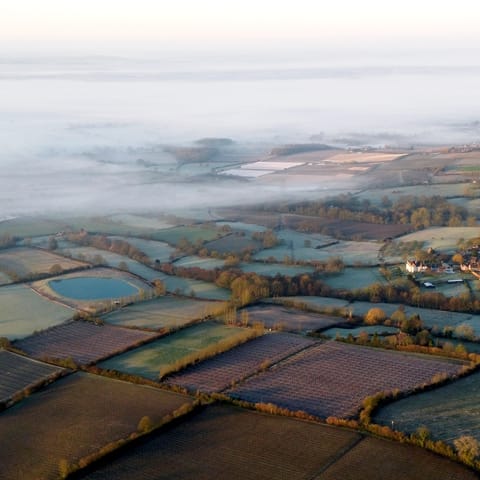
(244, 227)
(114, 225)
(447, 289)
(352, 278)
(443, 190)
(197, 288)
(144, 222)
(195, 261)
(299, 239)
(431, 318)
(23, 262)
(316, 303)
(43, 240)
(31, 226)
(154, 250)
(272, 269)
(441, 238)
(147, 361)
(352, 253)
(113, 260)
(233, 243)
(72, 418)
(193, 234)
(4, 279)
(355, 332)
(163, 312)
(23, 311)
(448, 412)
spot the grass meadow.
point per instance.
(24, 311)
(161, 355)
(163, 313)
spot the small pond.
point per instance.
(92, 288)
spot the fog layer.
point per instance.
(88, 132)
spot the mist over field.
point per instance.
(92, 133)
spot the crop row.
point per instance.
(73, 418)
(20, 372)
(332, 379)
(219, 372)
(84, 342)
(225, 442)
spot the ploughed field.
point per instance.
(377, 459)
(332, 379)
(84, 342)
(72, 418)
(227, 442)
(219, 372)
(20, 372)
(292, 320)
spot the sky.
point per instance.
(119, 26)
(89, 87)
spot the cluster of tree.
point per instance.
(249, 287)
(7, 240)
(419, 211)
(185, 155)
(407, 292)
(102, 242)
(467, 448)
(215, 142)
(291, 149)
(267, 238)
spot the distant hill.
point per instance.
(291, 149)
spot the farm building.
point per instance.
(412, 266)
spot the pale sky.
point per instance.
(110, 25)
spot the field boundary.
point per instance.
(339, 455)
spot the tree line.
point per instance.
(418, 211)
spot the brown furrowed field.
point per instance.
(229, 443)
(84, 342)
(348, 228)
(20, 372)
(72, 418)
(282, 318)
(23, 262)
(332, 379)
(219, 372)
(376, 459)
